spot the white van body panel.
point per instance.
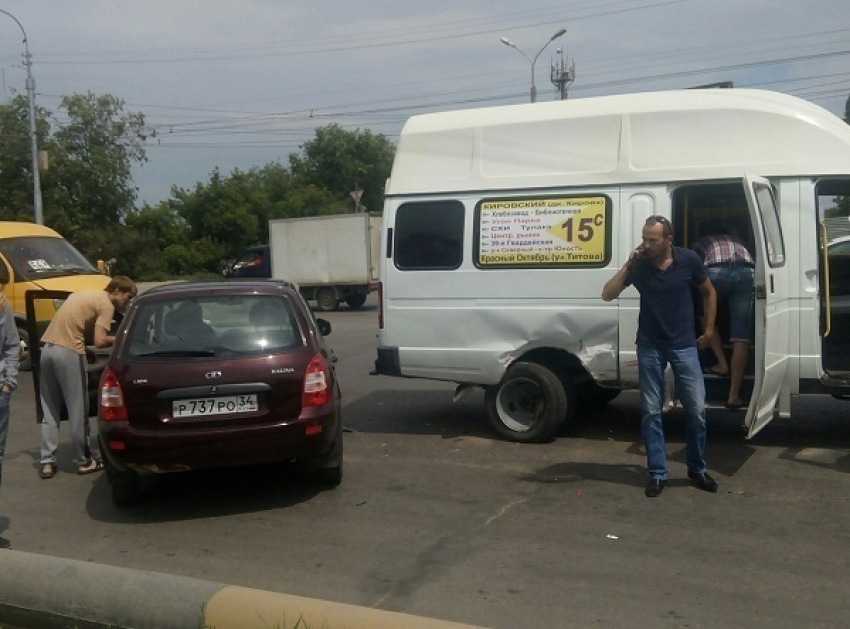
(632, 138)
(463, 329)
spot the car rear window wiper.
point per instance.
(179, 352)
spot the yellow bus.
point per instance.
(35, 257)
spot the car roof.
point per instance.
(239, 286)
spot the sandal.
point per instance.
(48, 470)
(90, 468)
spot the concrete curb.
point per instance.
(47, 592)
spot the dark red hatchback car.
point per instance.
(219, 374)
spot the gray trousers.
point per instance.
(64, 383)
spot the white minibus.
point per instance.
(502, 224)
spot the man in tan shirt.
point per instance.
(63, 369)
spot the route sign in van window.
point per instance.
(543, 231)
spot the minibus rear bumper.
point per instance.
(387, 363)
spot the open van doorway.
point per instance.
(712, 209)
(833, 198)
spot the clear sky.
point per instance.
(238, 83)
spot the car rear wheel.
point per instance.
(329, 477)
(530, 404)
(326, 471)
(126, 491)
(126, 485)
(326, 299)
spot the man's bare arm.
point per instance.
(102, 337)
(709, 309)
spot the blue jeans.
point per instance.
(690, 389)
(734, 286)
(5, 398)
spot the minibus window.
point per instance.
(429, 235)
(35, 257)
(774, 245)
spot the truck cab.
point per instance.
(253, 262)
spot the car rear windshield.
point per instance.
(214, 326)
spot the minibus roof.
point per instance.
(682, 135)
(16, 229)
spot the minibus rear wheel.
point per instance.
(530, 404)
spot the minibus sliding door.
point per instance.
(772, 304)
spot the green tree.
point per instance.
(341, 161)
(16, 188)
(88, 187)
(154, 235)
(229, 213)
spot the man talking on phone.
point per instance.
(666, 276)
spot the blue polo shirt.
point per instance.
(666, 319)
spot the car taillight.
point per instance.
(111, 398)
(316, 390)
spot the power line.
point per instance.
(308, 47)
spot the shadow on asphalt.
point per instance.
(205, 494)
(818, 424)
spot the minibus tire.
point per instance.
(529, 405)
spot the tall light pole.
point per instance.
(36, 179)
(508, 42)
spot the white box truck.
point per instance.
(502, 225)
(332, 258)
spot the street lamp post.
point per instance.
(36, 179)
(508, 42)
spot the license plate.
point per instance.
(224, 405)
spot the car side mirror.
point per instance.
(324, 326)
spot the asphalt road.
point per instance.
(438, 517)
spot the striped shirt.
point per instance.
(722, 249)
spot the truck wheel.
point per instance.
(26, 355)
(530, 404)
(326, 299)
(355, 300)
